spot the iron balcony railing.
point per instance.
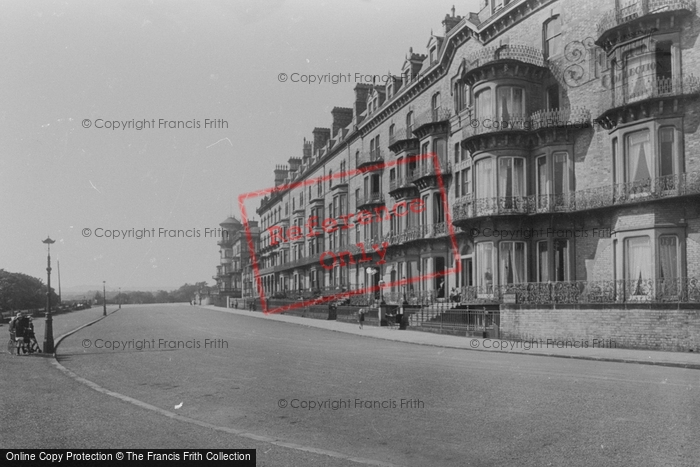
(401, 134)
(681, 290)
(371, 157)
(400, 183)
(434, 302)
(428, 169)
(648, 87)
(440, 114)
(574, 118)
(370, 198)
(634, 10)
(669, 186)
(559, 117)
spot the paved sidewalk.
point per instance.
(648, 357)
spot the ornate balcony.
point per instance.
(421, 232)
(369, 158)
(516, 52)
(434, 121)
(225, 241)
(370, 199)
(426, 175)
(403, 139)
(670, 186)
(402, 188)
(489, 124)
(571, 118)
(644, 89)
(576, 117)
(623, 18)
(484, 64)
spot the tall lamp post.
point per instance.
(48, 328)
(104, 300)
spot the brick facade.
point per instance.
(616, 149)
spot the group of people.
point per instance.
(22, 327)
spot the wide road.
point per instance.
(392, 402)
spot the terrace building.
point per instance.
(232, 282)
(565, 153)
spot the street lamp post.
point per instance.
(48, 328)
(104, 299)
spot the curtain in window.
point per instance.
(484, 179)
(484, 266)
(483, 104)
(638, 156)
(638, 264)
(511, 180)
(512, 257)
(510, 102)
(638, 83)
(668, 257)
(505, 177)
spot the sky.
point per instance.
(72, 68)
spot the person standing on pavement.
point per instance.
(13, 326)
(361, 317)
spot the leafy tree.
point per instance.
(20, 292)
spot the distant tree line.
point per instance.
(183, 294)
(22, 292)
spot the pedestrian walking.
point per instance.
(361, 317)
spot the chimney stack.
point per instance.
(280, 174)
(342, 117)
(361, 92)
(451, 21)
(294, 163)
(321, 137)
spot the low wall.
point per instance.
(348, 314)
(673, 327)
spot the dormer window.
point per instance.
(552, 37)
(433, 53)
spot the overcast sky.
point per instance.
(67, 61)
